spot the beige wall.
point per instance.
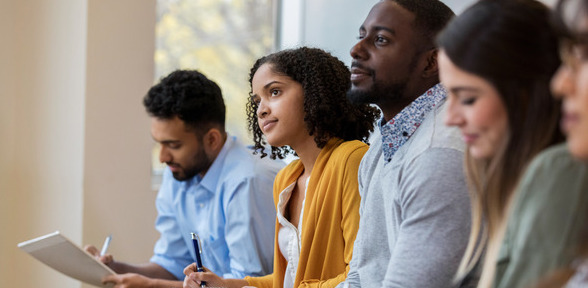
(7, 134)
(75, 143)
(119, 199)
(43, 129)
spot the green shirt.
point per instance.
(548, 215)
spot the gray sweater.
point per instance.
(414, 212)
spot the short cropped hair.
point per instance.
(431, 16)
(190, 96)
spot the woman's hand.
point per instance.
(194, 278)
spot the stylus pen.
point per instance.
(106, 244)
(198, 251)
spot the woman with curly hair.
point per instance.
(298, 104)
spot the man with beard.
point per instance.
(415, 209)
(213, 186)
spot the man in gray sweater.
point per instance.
(415, 209)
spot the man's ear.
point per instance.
(431, 68)
(213, 141)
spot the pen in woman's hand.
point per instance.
(197, 250)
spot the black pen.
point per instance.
(197, 251)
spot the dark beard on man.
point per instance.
(201, 164)
(378, 93)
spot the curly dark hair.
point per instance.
(328, 113)
(190, 96)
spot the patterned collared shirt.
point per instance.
(400, 128)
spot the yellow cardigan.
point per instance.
(331, 217)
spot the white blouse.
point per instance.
(580, 279)
(288, 235)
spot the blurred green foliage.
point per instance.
(220, 38)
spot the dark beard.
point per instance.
(201, 164)
(378, 93)
(382, 93)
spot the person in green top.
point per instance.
(546, 221)
(546, 238)
(495, 60)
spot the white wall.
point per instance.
(459, 5)
(332, 25)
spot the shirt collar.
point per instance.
(210, 179)
(400, 128)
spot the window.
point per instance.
(220, 38)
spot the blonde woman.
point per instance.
(496, 60)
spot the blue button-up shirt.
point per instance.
(231, 209)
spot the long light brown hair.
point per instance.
(509, 43)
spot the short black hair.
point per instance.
(190, 96)
(431, 16)
(325, 81)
